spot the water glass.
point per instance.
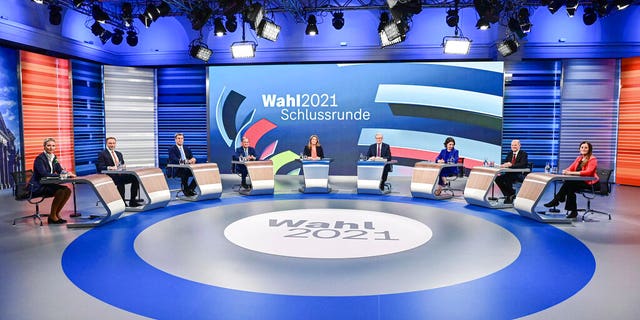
(64, 175)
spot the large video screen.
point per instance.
(415, 106)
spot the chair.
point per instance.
(449, 179)
(171, 180)
(234, 169)
(22, 191)
(602, 188)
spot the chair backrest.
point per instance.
(603, 187)
(462, 169)
(22, 187)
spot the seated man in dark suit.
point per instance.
(110, 159)
(181, 154)
(516, 159)
(380, 150)
(247, 153)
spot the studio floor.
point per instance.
(321, 256)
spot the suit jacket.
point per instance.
(105, 160)
(385, 151)
(307, 151)
(589, 170)
(41, 169)
(174, 154)
(522, 159)
(240, 152)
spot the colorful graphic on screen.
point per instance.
(416, 106)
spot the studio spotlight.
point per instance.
(555, 5)
(146, 21)
(155, 12)
(117, 37)
(508, 47)
(571, 6)
(338, 20)
(243, 49)
(514, 26)
(384, 20)
(589, 17)
(127, 14)
(199, 17)
(452, 18)
(78, 3)
(132, 38)
(622, 4)
(268, 30)
(393, 32)
(231, 24)
(200, 51)
(254, 15)
(98, 14)
(312, 28)
(602, 7)
(489, 10)
(101, 32)
(523, 20)
(483, 24)
(456, 45)
(218, 27)
(55, 15)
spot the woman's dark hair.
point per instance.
(449, 139)
(589, 153)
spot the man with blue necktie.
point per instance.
(247, 153)
(181, 154)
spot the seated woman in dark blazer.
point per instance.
(46, 164)
(313, 149)
(447, 155)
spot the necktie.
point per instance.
(182, 155)
(116, 161)
(378, 155)
(513, 158)
(246, 152)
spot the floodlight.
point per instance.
(338, 20)
(254, 15)
(218, 27)
(243, 49)
(456, 45)
(268, 30)
(312, 28)
(231, 23)
(200, 51)
(508, 47)
(571, 6)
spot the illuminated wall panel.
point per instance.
(46, 106)
(628, 159)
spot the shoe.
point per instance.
(509, 199)
(191, 192)
(135, 203)
(573, 214)
(51, 221)
(438, 192)
(552, 203)
(75, 215)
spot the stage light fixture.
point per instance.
(117, 37)
(338, 20)
(127, 14)
(218, 27)
(589, 16)
(456, 45)
(199, 17)
(523, 20)
(312, 28)
(254, 15)
(602, 7)
(488, 10)
(555, 5)
(146, 21)
(231, 23)
(622, 4)
(101, 32)
(78, 3)
(243, 49)
(132, 38)
(571, 6)
(38, 1)
(55, 15)
(98, 14)
(508, 47)
(514, 26)
(268, 30)
(155, 12)
(393, 32)
(452, 18)
(384, 20)
(199, 50)
(483, 24)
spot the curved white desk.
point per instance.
(153, 184)
(370, 176)
(316, 175)
(261, 175)
(424, 181)
(480, 184)
(533, 188)
(207, 178)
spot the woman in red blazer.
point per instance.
(585, 165)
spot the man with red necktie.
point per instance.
(516, 159)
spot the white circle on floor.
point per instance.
(328, 233)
